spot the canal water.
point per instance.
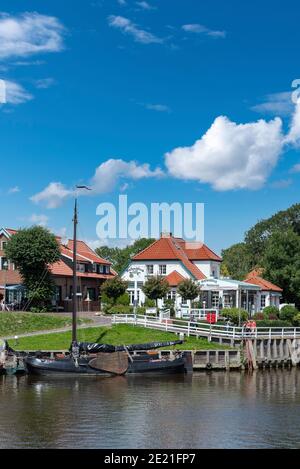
(217, 410)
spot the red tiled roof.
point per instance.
(261, 282)
(84, 255)
(203, 253)
(170, 248)
(84, 250)
(68, 253)
(174, 278)
(258, 272)
(163, 249)
(61, 269)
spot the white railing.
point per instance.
(198, 313)
(199, 329)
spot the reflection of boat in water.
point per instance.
(101, 359)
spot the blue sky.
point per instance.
(128, 87)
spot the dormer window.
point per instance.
(94, 268)
(81, 268)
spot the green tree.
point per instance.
(188, 290)
(156, 288)
(281, 263)
(237, 260)
(258, 236)
(120, 258)
(33, 250)
(114, 288)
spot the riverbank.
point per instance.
(12, 324)
(116, 335)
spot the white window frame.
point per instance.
(162, 269)
(215, 299)
(150, 269)
(1, 264)
(81, 268)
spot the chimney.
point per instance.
(166, 234)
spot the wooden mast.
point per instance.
(74, 315)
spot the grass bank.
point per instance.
(116, 335)
(21, 323)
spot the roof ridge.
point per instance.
(186, 260)
(148, 247)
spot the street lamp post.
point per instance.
(5, 268)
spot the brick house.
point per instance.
(9, 276)
(92, 271)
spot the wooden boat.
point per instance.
(84, 366)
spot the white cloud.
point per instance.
(53, 195)
(111, 171)
(158, 107)
(145, 5)
(230, 156)
(282, 183)
(14, 190)
(105, 179)
(40, 220)
(45, 83)
(28, 63)
(128, 27)
(276, 103)
(29, 33)
(293, 137)
(109, 242)
(200, 29)
(295, 168)
(122, 2)
(15, 93)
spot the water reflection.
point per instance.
(217, 410)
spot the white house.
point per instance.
(177, 260)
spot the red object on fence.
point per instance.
(211, 318)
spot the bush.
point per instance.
(123, 300)
(259, 317)
(296, 320)
(276, 323)
(106, 303)
(149, 303)
(119, 309)
(288, 313)
(233, 315)
(141, 310)
(271, 312)
(170, 304)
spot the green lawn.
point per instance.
(117, 335)
(21, 323)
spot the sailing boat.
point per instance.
(102, 359)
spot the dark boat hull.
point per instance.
(68, 366)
